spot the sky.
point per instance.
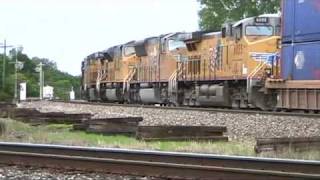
(66, 31)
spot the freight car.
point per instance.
(226, 68)
(298, 87)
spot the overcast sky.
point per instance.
(66, 31)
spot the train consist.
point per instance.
(238, 67)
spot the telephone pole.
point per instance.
(4, 64)
(41, 80)
(17, 66)
(16, 77)
(4, 46)
(39, 69)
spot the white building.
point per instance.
(23, 91)
(72, 96)
(48, 92)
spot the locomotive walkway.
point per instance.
(156, 164)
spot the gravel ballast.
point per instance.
(33, 173)
(240, 126)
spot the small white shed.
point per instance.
(23, 91)
(48, 92)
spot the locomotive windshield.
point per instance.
(259, 30)
(129, 50)
(176, 44)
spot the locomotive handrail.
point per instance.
(172, 82)
(128, 79)
(253, 73)
(100, 76)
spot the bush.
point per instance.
(5, 97)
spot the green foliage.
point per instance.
(62, 134)
(61, 81)
(214, 13)
(4, 96)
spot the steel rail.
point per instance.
(154, 163)
(202, 109)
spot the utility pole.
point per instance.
(39, 69)
(4, 65)
(41, 80)
(4, 46)
(17, 66)
(16, 77)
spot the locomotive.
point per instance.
(253, 63)
(229, 68)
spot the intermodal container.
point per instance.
(301, 61)
(300, 21)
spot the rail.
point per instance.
(156, 164)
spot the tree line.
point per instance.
(61, 81)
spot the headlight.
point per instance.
(279, 43)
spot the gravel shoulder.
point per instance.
(240, 126)
(34, 173)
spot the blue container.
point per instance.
(300, 21)
(301, 61)
(287, 20)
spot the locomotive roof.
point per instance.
(198, 35)
(166, 36)
(129, 43)
(209, 34)
(94, 56)
(110, 52)
(252, 18)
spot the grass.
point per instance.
(62, 134)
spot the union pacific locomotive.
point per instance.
(226, 69)
(246, 65)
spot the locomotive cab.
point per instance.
(121, 69)
(228, 68)
(157, 67)
(253, 44)
(93, 67)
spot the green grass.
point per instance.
(63, 134)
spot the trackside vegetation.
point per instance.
(62, 134)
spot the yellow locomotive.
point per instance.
(226, 68)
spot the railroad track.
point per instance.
(156, 164)
(244, 111)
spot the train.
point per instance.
(245, 65)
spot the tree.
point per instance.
(45, 62)
(214, 13)
(61, 81)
